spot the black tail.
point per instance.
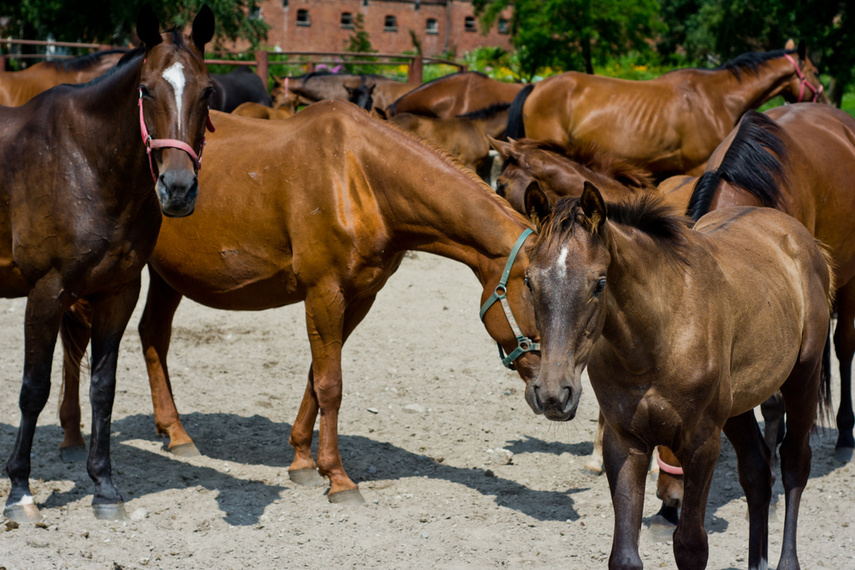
(824, 406)
(516, 128)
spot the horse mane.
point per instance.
(596, 158)
(752, 61)
(486, 112)
(83, 62)
(753, 163)
(648, 213)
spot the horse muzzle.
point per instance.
(177, 190)
(557, 403)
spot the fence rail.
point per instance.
(262, 60)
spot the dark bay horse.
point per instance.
(80, 213)
(456, 94)
(669, 125)
(18, 87)
(730, 312)
(239, 85)
(322, 85)
(282, 221)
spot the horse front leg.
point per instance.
(844, 347)
(110, 316)
(691, 547)
(75, 331)
(595, 461)
(155, 331)
(626, 468)
(755, 476)
(43, 316)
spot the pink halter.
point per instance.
(816, 92)
(670, 469)
(151, 143)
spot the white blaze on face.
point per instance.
(561, 262)
(174, 75)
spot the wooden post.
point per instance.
(2, 63)
(261, 60)
(414, 70)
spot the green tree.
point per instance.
(113, 21)
(575, 34)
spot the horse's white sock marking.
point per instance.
(174, 75)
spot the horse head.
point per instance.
(569, 262)
(362, 95)
(174, 91)
(805, 84)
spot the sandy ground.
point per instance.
(427, 411)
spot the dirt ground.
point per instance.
(455, 468)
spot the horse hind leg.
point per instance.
(75, 331)
(755, 476)
(844, 347)
(43, 316)
(773, 433)
(155, 330)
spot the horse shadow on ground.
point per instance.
(260, 441)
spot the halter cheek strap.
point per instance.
(524, 344)
(151, 143)
(816, 91)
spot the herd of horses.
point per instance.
(686, 250)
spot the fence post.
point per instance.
(414, 70)
(2, 63)
(261, 60)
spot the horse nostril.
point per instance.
(500, 188)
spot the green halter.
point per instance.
(524, 344)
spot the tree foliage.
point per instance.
(575, 34)
(113, 22)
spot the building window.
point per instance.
(255, 13)
(469, 24)
(284, 3)
(303, 18)
(431, 27)
(347, 20)
(503, 26)
(390, 24)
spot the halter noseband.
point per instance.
(151, 143)
(668, 468)
(816, 91)
(524, 344)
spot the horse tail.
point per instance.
(824, 405)
(74, 332)
(516, 128)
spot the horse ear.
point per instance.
(502, 148)
(593, 206)
(790, 45)
(148, 27)
(203, 27)
(802, 50)
(537, 206)
(349, 90)
(381, 113)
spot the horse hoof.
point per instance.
(347, 497)
(108, 512)
(661, 529)
(73, 453)
(593, 469)
(844, 454)
(28, 513)
(306, 477)
(185, 450)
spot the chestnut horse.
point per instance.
(730, 313)
(456, 94)
(282, 221)
(259, 111)
(18, 87)
(80, 214)
(669, 125)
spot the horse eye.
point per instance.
(527, 283)
(145, 92)
(601, 284)
(206, 94)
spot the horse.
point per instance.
(320, 85)
(18, 87)
(456, 94)
(259, 111)
(80, 210)
(239, 85)
(669, 125)
(465, 137)
(729, 313)
(362, 96)
(329, 224)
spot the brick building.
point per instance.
(326, 25)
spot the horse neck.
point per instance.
(641, 297)
(752, 90)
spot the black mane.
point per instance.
(753, 163)
(752, 61)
